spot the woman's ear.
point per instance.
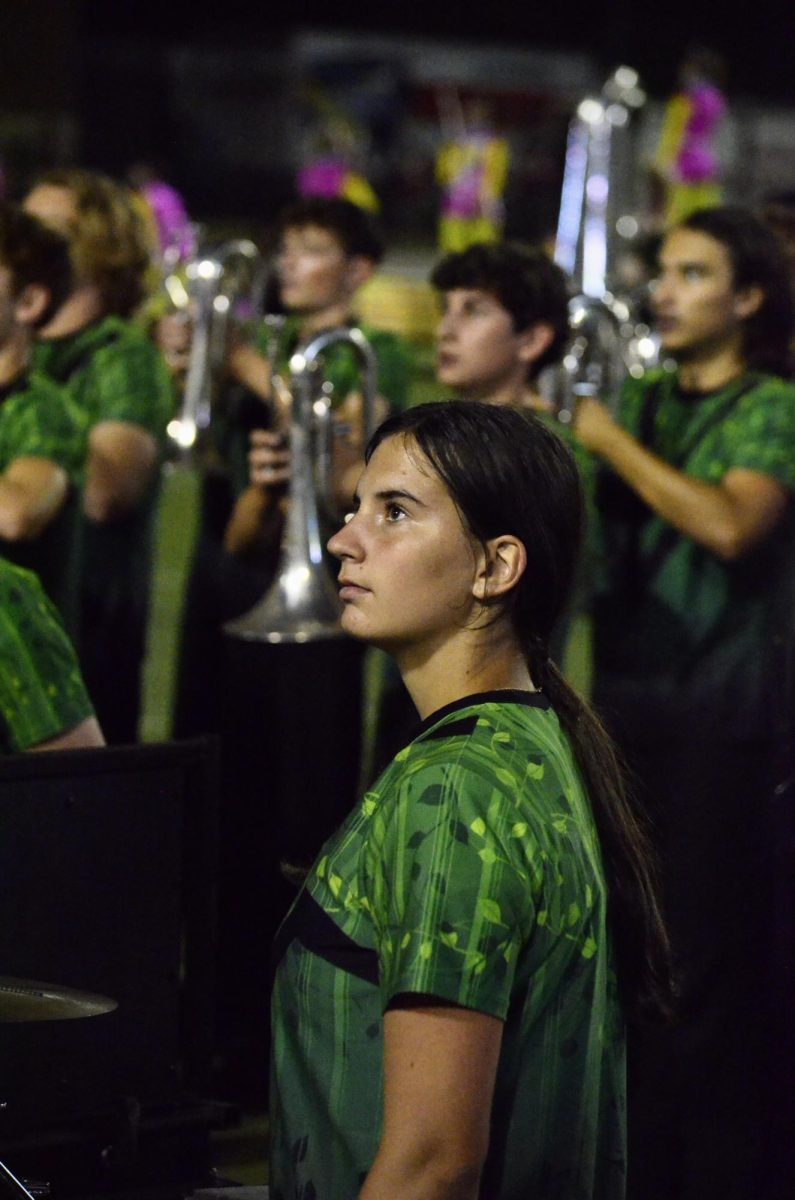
(501, 565)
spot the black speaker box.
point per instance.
(107, 885)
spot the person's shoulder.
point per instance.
(117, 335)
(19, 587)
(773, 388)
(127, 362)
(53, 398)
(383, 338)
(651, 379)
(492, 735)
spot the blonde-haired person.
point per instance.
(118, 379)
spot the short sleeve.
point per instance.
(130, 382)
(42, 423)
(760, 435)
(450, 909)
(42, 693)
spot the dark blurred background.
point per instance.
(223, 99)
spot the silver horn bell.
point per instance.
(302, 604)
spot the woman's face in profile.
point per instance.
(408, 566)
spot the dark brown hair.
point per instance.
(34, 254)
(525, 281)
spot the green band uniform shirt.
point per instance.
(113, 372)
(41, 690)
(472, 873)
(38, 419)
(685, 642)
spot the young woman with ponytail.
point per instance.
(453, 982)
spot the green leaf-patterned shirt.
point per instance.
(113, 372)
(38, 418)
(41, 690)
(685, 642)
(471, 873)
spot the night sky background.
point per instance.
(757, 40)
(110, 64)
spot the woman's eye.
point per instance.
(394, 512)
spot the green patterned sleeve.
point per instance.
(450, 910)
(131, 383)
(43, 423)
(42, 693)
(760, 434)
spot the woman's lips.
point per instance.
(349, 591)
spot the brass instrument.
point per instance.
(301, 604)
(217, 280)
(607, 339)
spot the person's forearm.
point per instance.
(420, 1177)
(111, 490)
(702, 511)
(86, 735)
(256, 522)
(121, 464)
(25, 512)
(252, 369)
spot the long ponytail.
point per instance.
(642, 948)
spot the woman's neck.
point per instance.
(714, 371)
(14, 356)
(447, 673)
(332, 317)
(78, 310)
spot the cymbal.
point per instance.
(28, 1000)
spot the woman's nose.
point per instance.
(344, 543)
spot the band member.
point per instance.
(328, 249)
(42, 442)
(448, 996)
(117, 378)
(504, 318)
(692, 633)
(43, 701)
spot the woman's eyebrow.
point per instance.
(391, 494)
